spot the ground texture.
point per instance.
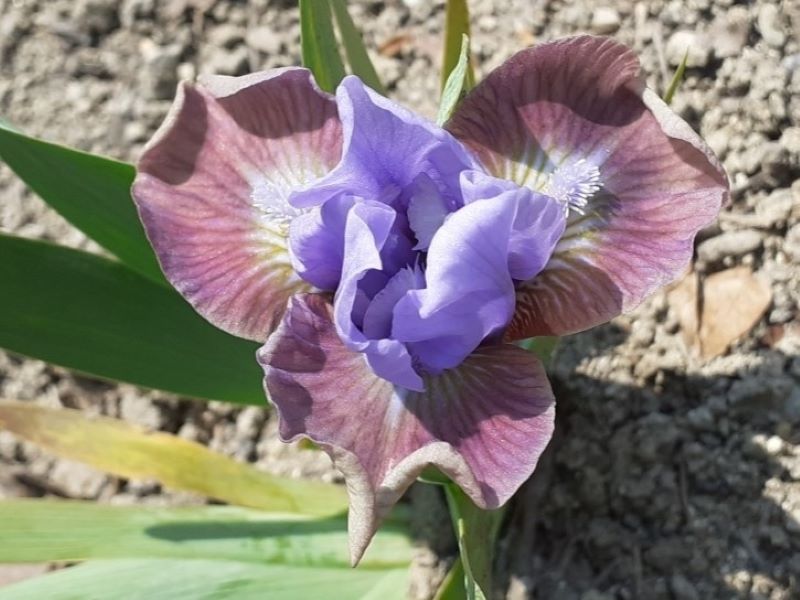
(671, 476)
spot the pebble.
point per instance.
(226, 36)
(790, 139)
(684, 41)
(264, 39)
(730, 31)
(605, 20)
(730, 243)
(160, 76)
(770, 26)
(682, 588)
(235, 62)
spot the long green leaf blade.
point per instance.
(455, 28)
(456, 83)
(124, 450)
(208, 580)
(91, 192)
(56, 530)
(319, 47)
(677, 79)
(95, 315)
(476, 531)
(354, 48)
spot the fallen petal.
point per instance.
(212, 190)
(484, 424)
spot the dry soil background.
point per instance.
(671, 476)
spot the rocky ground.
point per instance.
(675, 473)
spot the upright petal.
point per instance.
(571, 119)
(471, 263)
(484, 424)
(212, 190)
(385, 148)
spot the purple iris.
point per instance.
(420, 245)
(387, 263)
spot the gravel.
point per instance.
(669, 477)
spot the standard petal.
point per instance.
(484, 424)
(212, 190)
(571, 118)
(386, 147)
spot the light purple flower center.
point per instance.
(420, 245)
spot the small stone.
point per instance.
(605, 20)
(264, 39)
(682, 588)
(96, 17)
(135, 132)
(770, 25)
(160, 75)
(701, 418)
(226, 36)
(687, 43)
(77, 480)
(731, 243)
(235, 62)
(730, 31)
(776, 208)
(790, 139)
(774, 445)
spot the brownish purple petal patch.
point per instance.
(212, 190)
(572, 119)
(484, 424)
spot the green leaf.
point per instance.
(127, 451)
(452, 587)
(208, 580)
(57, 530)
(454, 89)
(476, 531)
(319, 46)
(455, 28)
(96, 316)
(543, 347)
(677, 79)
(91, 192)
(354, 49)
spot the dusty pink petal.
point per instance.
(644, 182)
(484, 424)
(212, 189)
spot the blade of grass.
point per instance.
(677, 79)
(354, 48)
(319, 47)
(456, 26)
(454, 89)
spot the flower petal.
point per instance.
(212, 190)
(571, 118)
(484, 424)
(386, 147)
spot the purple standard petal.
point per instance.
(212, 190)
(572, 119)
(386, 147)
(503, 231)
(484, 424)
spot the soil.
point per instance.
(670, 476)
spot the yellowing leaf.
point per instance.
(128, 451)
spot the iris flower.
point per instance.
(388, 264)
